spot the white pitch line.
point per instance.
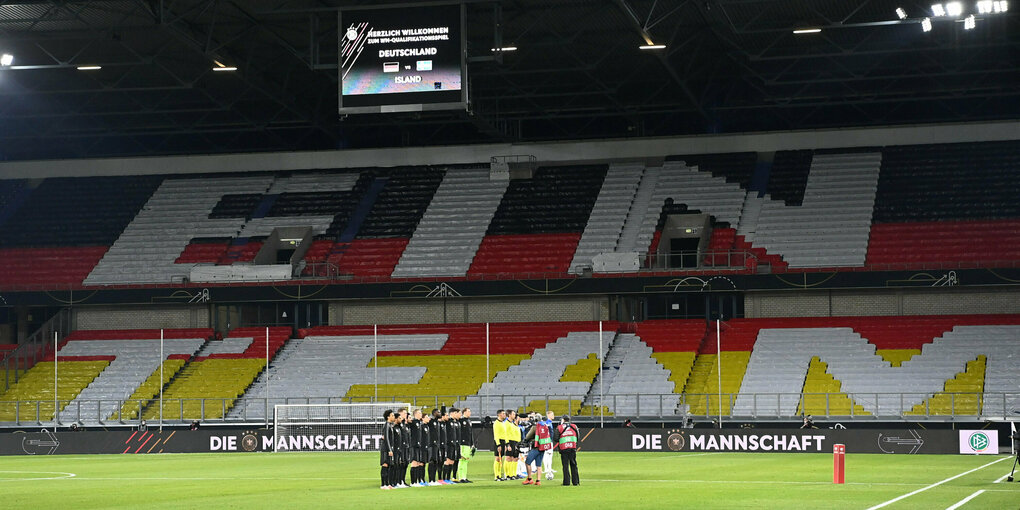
(1001, 479)
(965, 500)
(936, 484)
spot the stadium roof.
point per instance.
(728, 66)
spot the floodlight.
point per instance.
(969, 22)
(89, 68)
(224, 69)
(938, 10)
(1000, 6)
(926, 24)
(954, 8)
(652, 47)
(900, 13)
(6, 59)
(504, 49)
(807, 30)
(984, 6)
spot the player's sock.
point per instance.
(496, 472)
(432, 471)
(384, 474)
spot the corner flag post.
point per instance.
(486, 406)
(375, 357)
(718, 362)
(267, 377)
(56, 400)
(161, 380)
(838, 463)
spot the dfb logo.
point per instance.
(646, 442)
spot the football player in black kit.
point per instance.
(417, 450)
(452, 445)
(400, 446)
(444, 459)
(435, 452)
(386, 457)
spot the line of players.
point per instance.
(440, 443)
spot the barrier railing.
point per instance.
(760, 406)
(718, 260)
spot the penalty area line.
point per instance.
(936, 484)
(965, 500)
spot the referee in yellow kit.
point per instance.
(499, 440)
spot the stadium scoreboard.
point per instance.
(403, 59)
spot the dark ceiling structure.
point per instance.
(728, 66)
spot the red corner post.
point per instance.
(838, 463)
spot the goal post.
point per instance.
(329, 427)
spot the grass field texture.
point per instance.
(608, 480)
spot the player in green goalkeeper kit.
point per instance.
(467, 445)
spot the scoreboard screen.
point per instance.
(402, 59)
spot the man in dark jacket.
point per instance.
(566, 442)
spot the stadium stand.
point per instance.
(854, 350)
(685, 185)
(447, 238)
(630, 369)
(539, 222)
(207, 387)
(135, 357)
(31, 399)
(380, 228)
(879, 366)
(830, 227)
(901, 206)
(418, 363)
(788, 176)
(176, 213)
(605, 223)
(46, 241)
(947, 203)
(540, 376)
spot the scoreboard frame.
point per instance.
(399, 102)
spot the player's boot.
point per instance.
(526, 482)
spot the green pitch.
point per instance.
(608, 480)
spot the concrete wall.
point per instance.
(141, 317)
(435, 311)
(551, 152)
(942, 301)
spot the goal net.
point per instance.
(329, 427)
